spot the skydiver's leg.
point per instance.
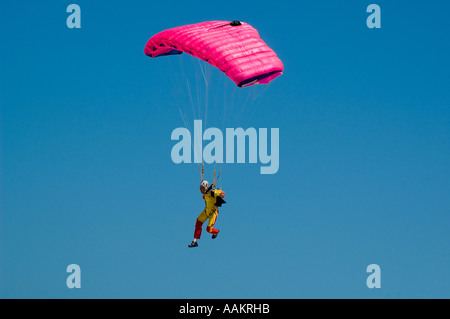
(210, 228)
(199, 223)
(198, 230)
(198, 227)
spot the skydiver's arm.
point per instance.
(219, 192)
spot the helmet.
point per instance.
(204, 186)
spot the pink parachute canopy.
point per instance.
(233, 47)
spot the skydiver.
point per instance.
(213, 200)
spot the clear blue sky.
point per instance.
(86, 175)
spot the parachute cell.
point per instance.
(233, 47)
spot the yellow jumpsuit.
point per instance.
(210, 212)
